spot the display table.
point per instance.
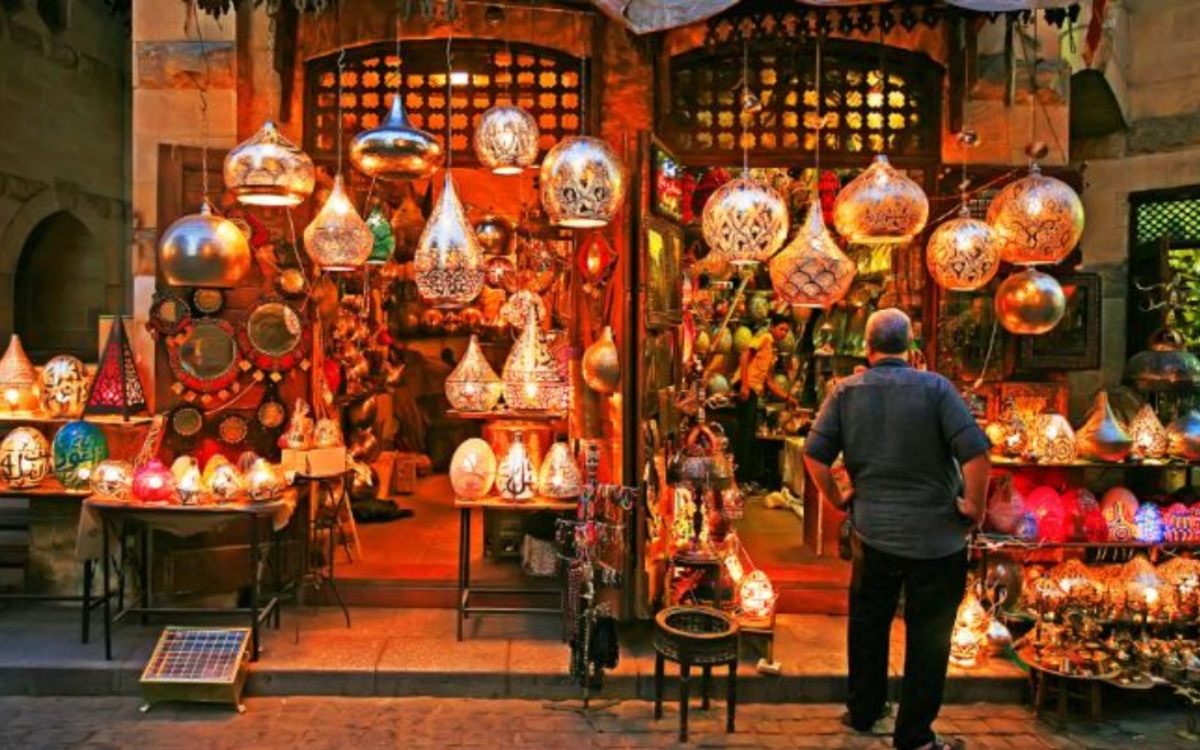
(104, 521)
(465, 589)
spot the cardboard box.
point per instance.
(318, 462)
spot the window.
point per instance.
(1165, 244)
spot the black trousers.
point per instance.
(932, 590)
(745, 447)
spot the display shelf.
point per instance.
(994, 542)
(107, 419)
(1013, 463)
(512, 414)
(495, 502)
(50, 488)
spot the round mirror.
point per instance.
(205, 358)
(274, 329)
(168, 314)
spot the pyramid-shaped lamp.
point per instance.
(116, 388)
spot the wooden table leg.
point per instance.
(731, 697)
(705, 685)
(659, 667)
(464, 566)
(684, 672)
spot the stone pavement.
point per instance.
(359, 723)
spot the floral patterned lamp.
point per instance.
(337, 239)
(583, 183)
(531, 376)
(1037, 219)
(474, 386)
(1053, 440)
(812, 271)
(881, 205)
(1149, 436)
(269, 170)
(506, 140)
(745, 222)
(448, 264)
(963, 253)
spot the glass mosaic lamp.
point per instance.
(515, 474)
(963, 254)
(473, 469)
(269, 170)
(1149, 436)
(17, 376)
(474, 386)
(1037, 219)
(448, 264)
(1148, 524)
(582, 183)
(204, 250)
(153, 483)
(531, 377)
(383, 239)
(812, 271)
(24, 458)
(337, 239)
(559, 476)
(77, 448)
(506, 140)
(745, 222)
(881, 205)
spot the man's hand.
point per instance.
(968, 512)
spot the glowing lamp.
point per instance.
(448, 263)
(222, 479)
(1037, 219)
(515, 474)
(204, 250)
(474, 386)
(269, 170)
(473, 469)
(962, 254)
(112, 480)
(17, 376)
(77, 449)
(582, 183)
(1053, 440)
(1149, 436)
(881, 205)
(1148, 524)
(154, 483)
(970, 628)
(1046, 505)
(757, 594)
(24, 458)
(1177, 521)
(506, 140)
(531, 376)
(745, 222)
(190, 486)
(812, 271)
(337, 239)
(1030, 303)
(264, 481)
(559, 476)
(63, 387)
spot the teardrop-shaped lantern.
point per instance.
(531, 377)
(1102, 437)
(559, 476)
(204, 250)
(812, 271)
(383, 239)
(963, 254)
(1030, 303)
(602, 364)
(745, 222)
(1037, 219)
(269, 170)
(515, 474)
(396, 150)
(879, 206)
(338, 239)
(506, 139)
(1149, 435)
(583, 183)
(448, 264)
(473, 386)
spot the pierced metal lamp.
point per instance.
(812, 271)
(338, 239)
(881, 205)
(269, 170)
(963, 254)
(1037, 219)
(583, 183)
(448, 263)
(745, 222)
(506, 140)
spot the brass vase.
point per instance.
(1183, 436)
(1102, 438)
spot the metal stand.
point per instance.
(326, 517)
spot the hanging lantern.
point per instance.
(112, 480)
(745, 222)
(1102, 438)
(24, 458)
(338, 239)
(204, 250)
(494, 234)
(881, 205)
(506, 139)
(1165, 366)
(531, 377)
(757, 594)
(383, 240)
(1183, 436)
(153, 483)
(515, 474)
(1148, 524)
(1053, 440)
(1030, 303)
(583, 183)
(264, 481)
(448, 264)
(77, 448)
(1149, 436)
(17, 376)
(559, 476)
(63, 387)
(602, 364)
(596, 260)
(963, 254)
(1037, 219)
(473, 469)
(269, 170)
(396, 150)
(812, 271)
(473, 386)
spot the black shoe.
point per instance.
(947, 744)
(883, 726)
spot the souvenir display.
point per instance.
(77, 448)
(473, 469)
(24, 458)
(63, 387)
(112, 480)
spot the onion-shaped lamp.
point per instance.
(506, 139)
(745, 222)
(531, 377)
(154, 483)
(582, 182)
(812, 271)
(474, 386)
(1030, 303)
(204, 250)
(448, 263)
(338, 239)
(396, 150)
(963, 254)
(17, 376)
(1037, 219)
(269, 170)
(881, 205)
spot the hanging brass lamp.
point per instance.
(338, 239)
(582, 182)
(745, 222)
(396, 150)
(204, 250)
(448, 263)
(506, 139)
(1037, 219)
(963, 254)
(269, 170)
(812, 271)
(882, 205)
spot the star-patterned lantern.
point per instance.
(745, 222)
(812, 271)
(880, 206)
(582, 182)
(1037, 219)
(963, 254)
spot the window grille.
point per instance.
(1175, 220)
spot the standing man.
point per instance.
(755, 368)
(918, 466)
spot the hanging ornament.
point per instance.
(384, 241)
(473, 469)
(1030, 303)
(582, 182)
(338, 239)
(1149, 435)
(812, 271)
(602, 364)
(269, 170)
(473, 386)
(1102, 438)
(396, 150)
(881, 205)
(515, 474)
(531, 376)
(17, 376)
(204, 250)
(63, 390)
(963, 254)
(448, 264)
(506, 139)
(1037, 219)
(745, 222)
(559, 476)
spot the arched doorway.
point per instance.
(60, 289)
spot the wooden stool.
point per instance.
(695, 636)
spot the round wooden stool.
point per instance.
(695, 636)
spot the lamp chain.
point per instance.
(745, 113)
(399, 33)
(341, 68)
(820, 119)
(202, 89)
(967, 136)
(273, 94)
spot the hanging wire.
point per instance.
(449, 100)
(584, 91)
(820, 119)
(202, 89)
(745, 112)
(341, 69)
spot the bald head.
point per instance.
(889, 333)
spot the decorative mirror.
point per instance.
(186, 421)
(273, 336)
(233, 430)
(208, 301)
(204, 356)
(272, 412)
(168, 314)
